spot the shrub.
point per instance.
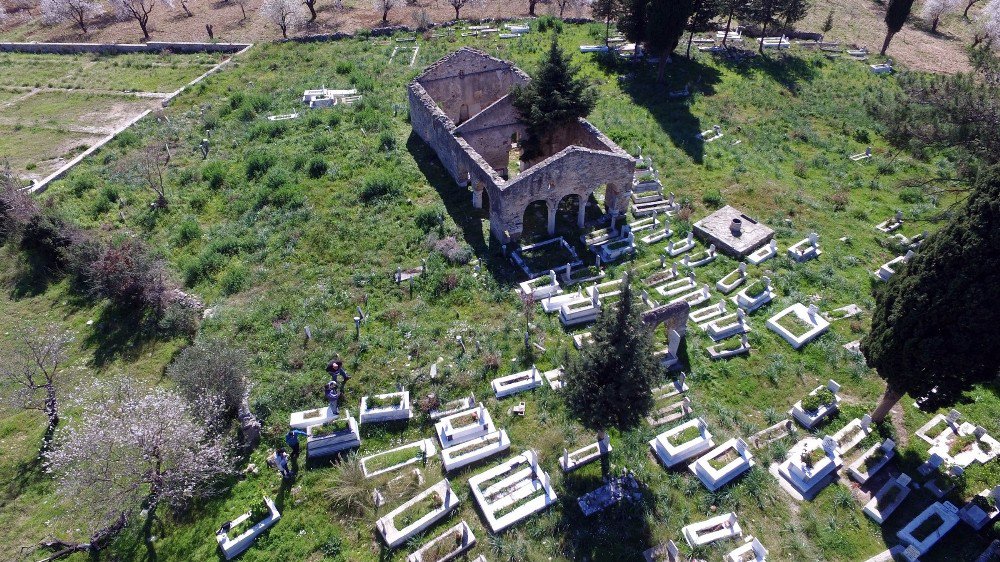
(546, 23)
(128, 275)
(379, 187)
(911, 195)
(386, 140)
(453, 250)
(429, 217)
(712, 197)
(344, 67)
(321, 143)
(813, 402)
(276, 178)
(212, 368)
(317, 167)
(187, 231)
(214, 174)
(258, 163)
(83, 183)
(235, 280)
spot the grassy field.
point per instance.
(275, 231)
(53, 121)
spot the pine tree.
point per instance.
(703, 12)
(606, 10)
(665, 22)
(895, 16)
(554, 97)
(936, 324)
(610, 384)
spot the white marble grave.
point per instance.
(316, 416)
(572, 460)
(671, 452)
(803, 478)
(425, 448)
(948, 515)
(234, 546)
(512, 491)
(888, 269)
(395, 536)
(727, 326)
(808, 316)
(464, 426)
(714, 478)
(729, 347)
(717, 528)
(398, 408)
(809, 419)
(869, 463)
(806, 249)
(331, 443)
(699, 259)
(453, 407)
(542, 287)
(750, 551)
(755, 295)
(706, 314)
(517, 382)
(978, 516)
(685, 245)
(459, 538)
(889, 497)
(474, 450)
(764, 254)
(732, 280)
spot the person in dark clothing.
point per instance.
(281, 458)
(292, 440)
(336, 369)
(332, 396)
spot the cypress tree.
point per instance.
(936, 323)
(665, 22)
(610, 384)
(895, 16)
(554, 97)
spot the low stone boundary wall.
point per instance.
(122, 48)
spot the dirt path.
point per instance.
(896, 415)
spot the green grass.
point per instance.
(795, 325)
(418, 511)
(688, 434)
(275, 250)
(392, 458)
(75, 108)
(329, 428)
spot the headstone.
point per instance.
(953, 416)
(434, 371)
(813, 238)
(830, 445)
(743, 269)
(979, 432)
(739, 315)
(813, 309)
(866, 422)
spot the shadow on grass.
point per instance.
(120, 333)
(785, 69)
(673, 114)
(458, 204)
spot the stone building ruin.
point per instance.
(461, 107)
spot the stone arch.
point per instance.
(535, 219)
(571, 209)
(463, 113)
(616, 199)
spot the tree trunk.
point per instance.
(690, 40)
(456, 12)
(249, 427)
(52, 412)
(142, 24)
(662, 67)
(885, 44)
(889, 399)
(284, 31)
(312, 10)
(729, 22)
(98, 541)
(385, 15)
(934, 24)
(607, 30)
(243, 11)
(965, 14)
(763, 33)
(531, 7)
(186, 10)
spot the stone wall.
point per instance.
(470, 87)
(122, 48)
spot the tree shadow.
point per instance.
(119, 332)
(458, 205)
(36, 272)
(673, 113)
(786, 69)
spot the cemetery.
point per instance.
(396, 224)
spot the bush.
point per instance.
(911, 195)
(83, 183)
(429, 217)
(453, 250)
(546, 23)
(236, 279)
(276, 178)
(258, 163)
(712, 197)
(379, 187)
(188, 230)
(386, 140)
(317, 167)
(344, 67)
(212, 368)
(214, 174)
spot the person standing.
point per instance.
(292, 440)
(332, 396)
(281, 458)
(337, 373)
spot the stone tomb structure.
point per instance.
(733, 233)
(461, 107)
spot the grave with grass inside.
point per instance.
(664, 412)
(820, 403)
(332, 437)
(732, 280)
(397, 458)
(447, 546)
(806, 249)
(773, 433)
(872, 460)
(538, 259)
(570, 461)
(694, 298)
(453, 407)
(750, 551)
(554, 376)
(687, 244)
(464, 426)
(853, 433)
(891, 224)
(940, 427)
(755, 295)
(316, 416)
(972, 444)
(727, 326)
(888, 269)
(701, 258)
(798, 324)
(702, 316)
(417, 514)
(811, 465)
(717, 528)
(927, 528)
(512, 491)
(474, 450)
(393, 406)
(723, 464)
(889, 497)
(682, 442)
(729, 347)
(677, 286)
(244, 530)
(541, 287)
(517, 382)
